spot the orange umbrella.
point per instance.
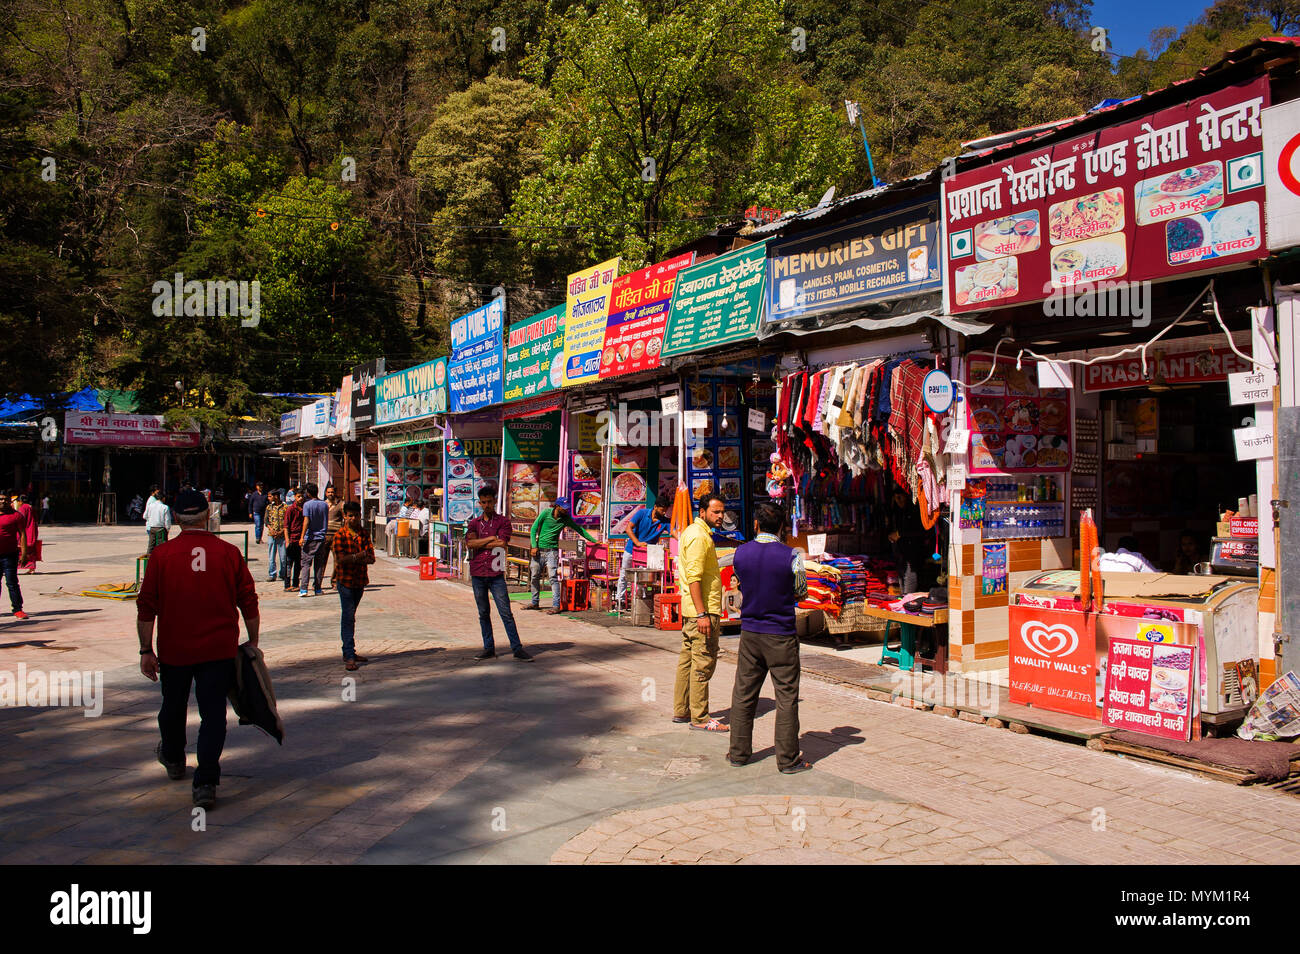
(682, 511)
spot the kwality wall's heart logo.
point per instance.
(1048, 641)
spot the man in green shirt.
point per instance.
(546, 550)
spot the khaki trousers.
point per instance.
(695, 665)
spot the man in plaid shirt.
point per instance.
(353, 552)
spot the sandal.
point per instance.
(713, 725)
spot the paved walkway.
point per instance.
(425, 755)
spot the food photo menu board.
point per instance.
(1168, 194)
(472, 463)
(629, 487)
(1015, 426)
(715, 456)
(415, 470)
(530, 491)
(584, 487)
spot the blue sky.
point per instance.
(1131, 21)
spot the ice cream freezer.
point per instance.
(1050, 633)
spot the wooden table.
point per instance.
(907, 657)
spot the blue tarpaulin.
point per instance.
(25, 405)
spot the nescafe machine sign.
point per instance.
(364, 377)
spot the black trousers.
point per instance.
(760, 654)
(292, 565)
(212, 680)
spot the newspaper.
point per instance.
(1277, 712)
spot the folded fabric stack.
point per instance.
(880, 577)
(825, 591)
(937, 599)
(909, 603)
(853, 578)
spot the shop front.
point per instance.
(1110, 427)
(409, 409)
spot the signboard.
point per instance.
(1053, 660)
(638, 314)
(125, 430)
(470, 463)
(1186, 367)
(1282, 174)
(1169, 194)
(872, 260)
(365, 377)
(1150, 688)
(289, 423)
(584, 487)
(412, 394)
(343, 407)
(322, 417)
(475, 369)
(587, 308)
(1253, 443)
(535, 355)
(717, 301)
(307, 420)
(535, 438)
(937, 391)
(1251, 387)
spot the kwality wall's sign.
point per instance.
(638, 315)
(1172, 193)
(535, 355)
(476, 365)
(412, 394)
(584, 327)
(872, 260)
(364, 378)
(717, 301)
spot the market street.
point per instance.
(572, 759)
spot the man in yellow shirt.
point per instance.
(701, 589)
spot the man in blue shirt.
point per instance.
(315, 522)
(772, 582)
(645, 527)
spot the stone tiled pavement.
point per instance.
(569, 759)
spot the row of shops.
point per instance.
(958, 385)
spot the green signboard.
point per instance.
(535, 355)
(535, 438)
(717, 301)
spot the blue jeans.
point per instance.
(551, 559)
(276, 549)
(257, 527)
(496, 586)
(9, 565)
(349, 599)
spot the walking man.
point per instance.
(275, 536)
(194, 587)
(293, 527)
(487, 537)
(645, 527)
(701, 589)
(157, 519)
(545, 539)
(45, 509)
(315, 523)
(333, 524)
(353, 552)
(772, 581)
(13, 549)
(257, 501)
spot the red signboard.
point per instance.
(1187, 367)
(126, 430)
(1150, 688)
(1053, 661)
(638, 312)
(1171, 193)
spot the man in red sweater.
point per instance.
(13, 549)
(195, 586)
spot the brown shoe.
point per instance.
(351, 665)
(360, 658)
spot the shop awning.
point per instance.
(963, 326)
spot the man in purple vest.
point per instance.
(772, 582)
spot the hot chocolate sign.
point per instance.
(1173, 192)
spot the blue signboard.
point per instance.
(475, 370)
(866, 261)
